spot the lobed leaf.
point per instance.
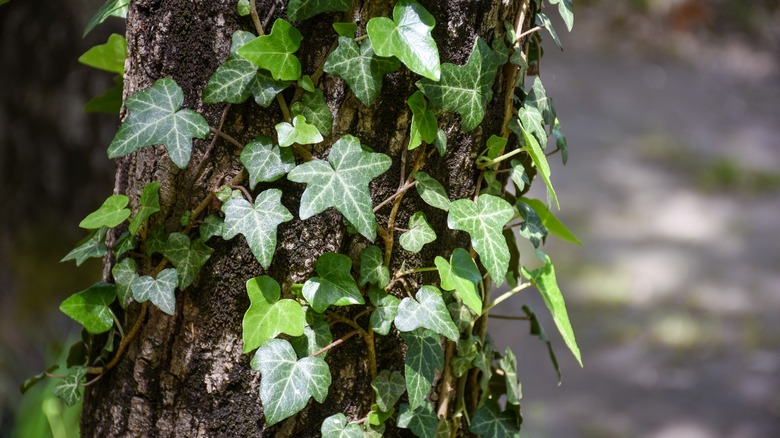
(266, 162)
(336, 426)
(274, 52)
(316, 336)
(360, 68)
(421, 420)
(314, 108)
(427, 311)
(124, 274)
(69, 388)
(110, 214)
(508, 364)
(461, 275)
(268, 316)
(109, 56)
(420, 233)
(386, 307)
(388, 387)
(160, 291)
(489, 421)
(188, 257)
(372, 267)
(92, 246)
(299, 132)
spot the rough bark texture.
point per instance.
(185, 375)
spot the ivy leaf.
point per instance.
(334, 286)
(110, 102)
(508, 364)
(298, 10)
(491, 185)
(372, 267)
(422, 420)
(316, 336)
(560, 140)
(565, 8)
(155, 118)
(306, 83)
(537, 330)
(211, 226)
(109, 57)
(531, 119)
(519, 175)
(274, 52)
(150, 204)
(388, 386)
(266, 162)
(461, 275)
(124, 274)
(552, 223)
(268, 316)
(441, 142)
(420, 233)
(336, 426)
(111, 8)
(288, 383)
(539, 159)
(544, 21)
(69, 389)
(423, 356)
(298, 132)
(359, 67)
(342, 183)
(489, 421)
(110, 214)
(90, 307)
(155, 242)
(346, 29)
(377, 416)
(537, 98)
(407, 37)
(424, 125)
(531, 228)
(256, 222)
(431, 191)
(313, 107)
(484, 220)
(265, 88)
(427, 311)
(544, 280)
(160, 291)
(465, 89)
(186, 256)
(92, 246)
(243, 8)
(386, 307)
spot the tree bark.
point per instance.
(185, 375)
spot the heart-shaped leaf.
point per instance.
(423, 356)
(360, 68)
(431, 191)
(336, 426)
(488, 420)
(427, 311)
(150, 204)
(109, 56)
(388, 387)
(422, 421)
(298, 10)
(268, 316)
(461, 275)
(212, 226)
(160, 291)
(420, 233)
(266, 162)
(188, 257)
(372, 267)
(552, 223)
(346, 29)
(316, 336)
(90, 307)
(124, 274)
(110, 214)
(299, 132)
(274, 52)
(334, 286)
(386, 307)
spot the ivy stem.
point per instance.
(530, 31)
(513, 317)
(230, 139)
(501, 158)
(245, 192)
(504, 297)
(369, 340)
(123, 344)
(335, 343)
(418, 162)
(446, 387)
(255, 17)
(346, 321)
(303, 153)
(360, 38)
(213, 142)
(403, 189)
(118, 324)
(285, 109)
(513, 69)
(416, 270)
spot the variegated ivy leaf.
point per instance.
(287, 383)
(441, 142)
(552, 223)
(530, 118)
(565, 8)
(424, 125)
(268, 316)
(484, 220)
(90, 307)
(188, 257)
(336, 426)
(491, 185)
(508, 364)
(211, 226)
(342, 183)
(111, 8)
(431, 191)
(266, 162)
(316, 336)
(313, 107)
(334, 286)
(537, 98)
(531, 228)
(421, 420)
(461, 275)
(539, 159)
(256, 222)
(110, 214)
(360, 68)
(69, 388)
(544, 21)
(386, 307)
(155, 242)
(423, 356)
(465, 89)
(299, 132)
(92, 246)
(155, 118)
(150, 204)
(388, 387)
(407, 37)
(420, 233)
(124, 274)
(519, 175)
(488, 420)
(372, 267)
(274, 52)
(427, 311)
(161, 291)
(298, 10)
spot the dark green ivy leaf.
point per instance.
(266, 162)
(316, 336)
(360, 68)
(566, 9)
(336, 426)
(372, 267)
(508, 364)
(345, 29)
(124, 274)
(489, 421)
(298, 10)
(111, 8)
(386, 307)
(92, 246)
(531, 228)
(69, 389)
(423, 356)
(334, 285)
(313, 107)
(427, 310)
(422, 420)
(211, 226)
(188, 257)
(388, 387)
(424, 126)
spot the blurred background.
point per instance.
(671, 108)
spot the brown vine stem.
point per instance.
(445, 387)
(338, 318)
(418, 162)
(335, 343)
(213, 142)
(230, 139)
(255, 17)
(400, 192)
(123, 344)
(285, 109)
(369, 340)
(244, 191)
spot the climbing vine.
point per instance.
(287, 330)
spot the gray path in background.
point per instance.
(672, 183)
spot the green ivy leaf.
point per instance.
(288, 383)
(494, 146)
(565, 8)
(431, 191)
(109, 102)
(531, 119)
(334, 286)
(508, 364)
(109, 56)
(386, 307)
(424, 124)
(377, 416)
(519, 175)
(461, 275)
(125, 242)
(467, 351)
(420, 233)
(407, 37)
(156, 240)
(124, 274)
(266, 162)
(313, 107)
(150, 204)
(427, 311)
(298, 10)
(316, 336)
(491, 185)
(211, 226)
(155, 118)
(110, 214)
(441, 142)
(111, 8)
(388, 387)
(186, 256)
(160, 291)
(465, 89)
(274, 52)
(268, 316)
(342, 183)
(489, 421)
(484, 220)
(531, 228)
(359, 67)
(544, 21)
(298, 132)
(90, 307)
(345, 29)
(306, 83)
(537, 98)
(552, 223)
(243, 8)
(372, 267)
(544, 280)
(256, 222)
(232, 82)
(92, 246)
(560, 140)
(422, 420)
(69, 389)
(539, 159)
(336, 426)
(423, 356)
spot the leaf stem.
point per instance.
(416, 270)
(123, 344)
(513, 317)
(118, 324)
(446, 387)
(285, 109)
(530, 31)
(206, 154)
(403, 189)
(244, 191)
(255, 17)
(505, 296)
(501, 158)
(230, 139)
(335, 343)
(335, 316)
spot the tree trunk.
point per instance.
(185, 375)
